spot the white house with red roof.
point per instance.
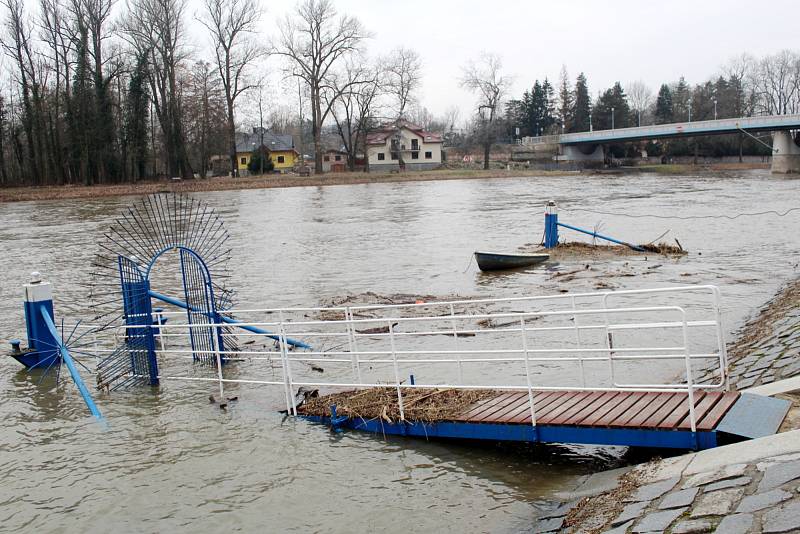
(403, 145)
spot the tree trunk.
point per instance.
(316, 130)
(487, 148)
(232, 142)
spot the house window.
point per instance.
(428, 155)
(381, 156)
(281, 159)
(338, 158)
(244, 160)
(394, 155)
(414, 144)
(415, 155)
(326, 158)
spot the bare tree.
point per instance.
(354, 113)
(17, 45)
(232, 25)
(778, 83)
(316, 42)
(741, 79)
(640, 97)
(403, 78)
(155, 29)
(484, 78)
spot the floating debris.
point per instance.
(423, 404)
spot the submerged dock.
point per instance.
(626, 418)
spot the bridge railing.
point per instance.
(578, 347)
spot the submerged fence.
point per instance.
(638, 340)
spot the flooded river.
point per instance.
(170, 462)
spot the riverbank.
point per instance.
(16, 194)
(752, 486)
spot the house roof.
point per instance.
(379, 136)
(249, 141)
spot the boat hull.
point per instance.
(488, 261)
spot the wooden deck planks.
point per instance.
(554, 399)
(553, 415)
(482, 406)
(681, 412)
(568, 417)
(619, 409)
(658, 403)
(715, 415)
(591, 419)
(655, 419)
(701, 409)
(640, 406)
(498, 407)
(601, 405)
(628, 400)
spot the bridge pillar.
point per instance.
(582, 153)
(786, 153)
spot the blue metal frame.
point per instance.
(595, 234)
(201, 305)
(230, 321)
(138, 314)
(630, 437)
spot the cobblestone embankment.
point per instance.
(752, 486)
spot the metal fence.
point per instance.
(603, 341)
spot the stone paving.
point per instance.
(762, 496)
(765, 498)
(768, 348)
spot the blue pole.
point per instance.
(595, 234)
(228, 320)
(73, 371)
(551, 225)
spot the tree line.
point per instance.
(745, 86)
(97, 92)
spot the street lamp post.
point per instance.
(612, 118)
(690, 110)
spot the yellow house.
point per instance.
(280, 147)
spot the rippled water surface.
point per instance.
(169, 461)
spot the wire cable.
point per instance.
(730, 217)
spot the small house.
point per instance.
(403, 145)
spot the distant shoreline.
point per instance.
(19, 194)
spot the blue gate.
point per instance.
(135, 361)
(207, 341)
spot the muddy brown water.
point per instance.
(169, 461)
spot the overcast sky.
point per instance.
(609, 41)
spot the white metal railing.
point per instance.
(582, 342)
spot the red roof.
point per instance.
(379, 136)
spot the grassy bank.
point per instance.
(15, 194)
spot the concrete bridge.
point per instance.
(590, 146)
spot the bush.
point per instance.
(255, 161)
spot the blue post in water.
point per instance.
(550, 225)
(42, 348)
(45, 346)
